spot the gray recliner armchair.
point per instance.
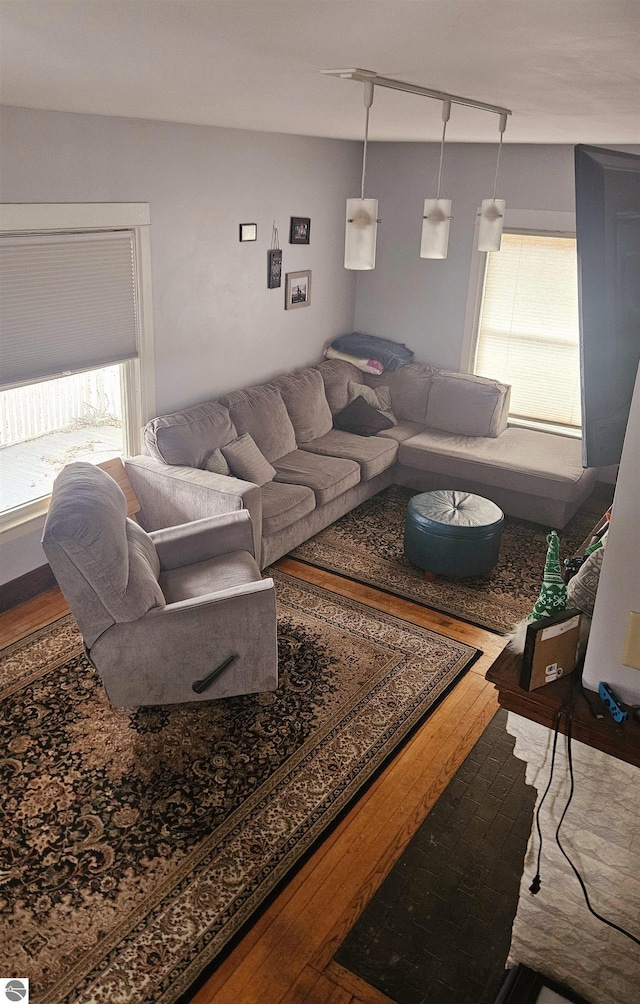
(180, 614)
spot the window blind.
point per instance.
(528, 334)
(67, 304)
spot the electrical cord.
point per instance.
(609, 923)
(534, 888)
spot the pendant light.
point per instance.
(362, 214)
(492, 210)
(437, 212)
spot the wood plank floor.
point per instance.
(286, 957)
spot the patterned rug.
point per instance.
(366, 545)
(137, 842)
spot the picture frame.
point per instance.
(297, 290)
(550, 649)
(248, 231)
(274, 268)
(300, 230)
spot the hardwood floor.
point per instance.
(286, 957)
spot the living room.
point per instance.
(216, 325)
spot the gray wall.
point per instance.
(217, 326)
(421, 302)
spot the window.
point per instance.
(76, 377)
(45, 425)
(528, 328)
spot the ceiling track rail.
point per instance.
(370, 76)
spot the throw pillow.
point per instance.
(247, 462)
(582, 588)
(359, 417)
(216, 463)
(377, 397)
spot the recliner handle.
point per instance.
(199, 686)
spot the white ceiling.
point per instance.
(568, 69)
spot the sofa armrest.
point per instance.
(189, 543)
(171, 495)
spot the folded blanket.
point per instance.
(366, 365)
(392, 355)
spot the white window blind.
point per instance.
(528, 330)
(67, 304)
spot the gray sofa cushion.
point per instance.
(336, 374)
(305, 400)
(188, 438)
(247, 461)
(261, 412)
(283, 505)
(233, 568)
(521, 460)
(409, 388)
(467, 405)
(403, 430)
(327, 476)
(373, 453)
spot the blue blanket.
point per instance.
(392, 355)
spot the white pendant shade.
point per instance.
(435, 228)
(490, 225)
(360, 234)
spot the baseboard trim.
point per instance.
(26, 587)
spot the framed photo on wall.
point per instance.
(300, 230)
(248, 231)
(274, 268)
(297, 290)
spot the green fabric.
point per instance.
(553, 592)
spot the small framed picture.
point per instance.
(300, 230)
(550, 649)
(297, 290)
(248, 231)
(274, 268)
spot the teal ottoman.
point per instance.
(453, 533)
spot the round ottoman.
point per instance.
(453, 533)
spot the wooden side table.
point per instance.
(541, 705)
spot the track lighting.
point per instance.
(362, 214)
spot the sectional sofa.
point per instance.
(274, 450)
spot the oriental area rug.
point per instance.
(137, 843)
(366, 545)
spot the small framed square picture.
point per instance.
(248, 231)
(300, 230)
(297, 290)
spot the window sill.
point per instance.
(570, 432)
(23, 520)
